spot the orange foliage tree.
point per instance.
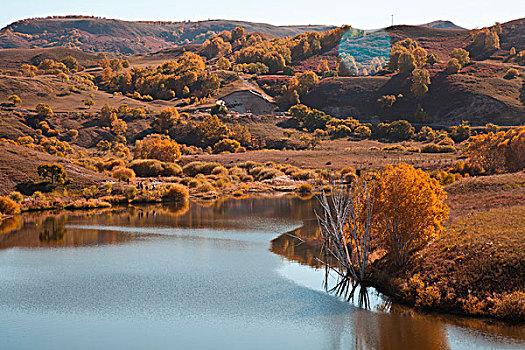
(409, 210)
(501, 151)
(160, 147)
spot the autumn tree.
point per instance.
(55, 172)
(387, 101)
(453, 66)
(211, 130)
(224, 63)
(160, 147)
(71, 63)
(166, 120)
(15, 100)
(118, 126)
(305, 82)
(289, 97)
(486, 40)
(409, 210)
(500, 151)
(323, 67)
(242, 134)
(420, 82)
(216, 46)
(420, 57)
(210, 84)
(461, 55)
(274, 61)
(460, 132)
(8, 206)
(43, 110)
(238, 33)
(432, 59)
(226, 145)
(309, 118)
(402, 57)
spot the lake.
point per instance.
(222, 275)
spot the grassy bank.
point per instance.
(477, 266)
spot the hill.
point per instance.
(93, 34)
(442, 25)
(18, 170)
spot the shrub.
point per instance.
(362, 132)
(131, 192)
(8, 206)
(15, 100)
(399, 130)
(16, 196)
(123, 174)
(305, 188)
(399, 148)
(177, 193)
(246, 178)
(171, 169)
(435, 148)
(453, 66)
(218, 109)
(226, 145)
(219, 170)
(193, 183)
(267, 173)
(444, 177)
(303, 175)
(109, 165)
(461, 55)
(146, 167)
(409, 210)
(490, 127)
(511, 74)
(194, 168)
(236, 171)
(38, 195)
(43, 110)
(461, 132)
(510, 305)
(467, 168)
(205, 187)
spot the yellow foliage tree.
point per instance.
(409, 210)
(166, 120)
(160, 147)
(500, 151)
(420, 82)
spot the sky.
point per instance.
(363, 14)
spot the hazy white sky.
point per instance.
(365, 14)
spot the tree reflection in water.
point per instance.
(55, 234)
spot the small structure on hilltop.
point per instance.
(248, 102)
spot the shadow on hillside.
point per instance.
(28, 188)
(522, 93)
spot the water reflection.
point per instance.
(230, 281)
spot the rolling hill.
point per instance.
(93, 34)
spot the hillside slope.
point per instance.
(91, 34)
(18, 170)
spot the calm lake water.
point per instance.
(227, 275)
